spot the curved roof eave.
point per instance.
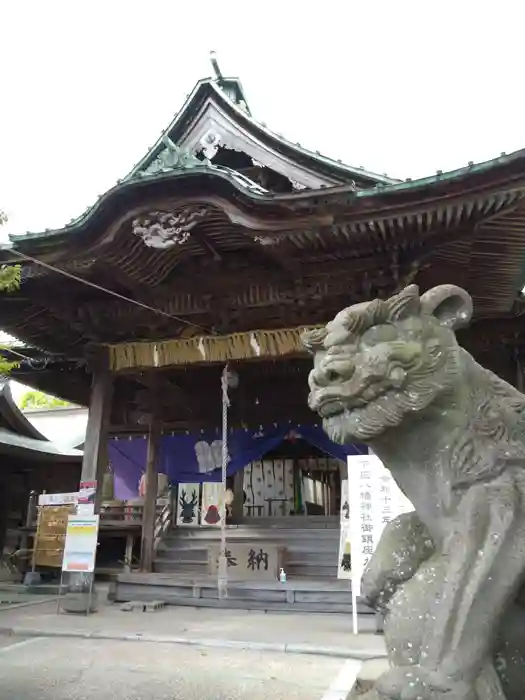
(37, 449)
(237, 183)
(11, 415)
(19, 436)
(236, 187)
(207, 86)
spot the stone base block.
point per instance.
(79, 603)
(32, 578)
(367, 676)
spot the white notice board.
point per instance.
(80, 550)
(374, 499)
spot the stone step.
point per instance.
(301, 596)
(284, 599)
(143, 605)
(263, 606)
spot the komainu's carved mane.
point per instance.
(356, 319)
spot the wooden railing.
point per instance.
(127, 514)
(163, 522)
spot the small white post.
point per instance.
(355, 621)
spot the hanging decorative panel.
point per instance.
(188, 504)
(212, 502)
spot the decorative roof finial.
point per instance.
(215, 66)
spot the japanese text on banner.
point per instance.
(374, 499)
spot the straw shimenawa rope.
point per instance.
(208, 349)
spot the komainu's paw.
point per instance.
(418, 683)
(404, 545)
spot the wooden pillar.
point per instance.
(149, 514)
(82, 595)
(95, 459)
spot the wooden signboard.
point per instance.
(50, 535)
(247, 562)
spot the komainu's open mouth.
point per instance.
(327, 407)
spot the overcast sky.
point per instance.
(403, 87)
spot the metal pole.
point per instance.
(222, 583)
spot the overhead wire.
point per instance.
(174, 317)
(6, 348)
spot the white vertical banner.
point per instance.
(374, 499)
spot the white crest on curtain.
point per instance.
(209, 456)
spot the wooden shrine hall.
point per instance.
(219, 247)
(29, 462)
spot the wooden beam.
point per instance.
(150, 502)
(162, 390)
(277, 255)
(243, 292)
(205, 243)
(135, 290)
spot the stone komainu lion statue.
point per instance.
(391, 374)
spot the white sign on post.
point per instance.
(80, 550)
(57, 499)
(374, 499)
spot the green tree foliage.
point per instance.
(37, 399)
(9, 282)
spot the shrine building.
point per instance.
(219, 247)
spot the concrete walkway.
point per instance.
(328, 635)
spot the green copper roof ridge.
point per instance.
(141, 163)
(218, 171)
(214, 84)
(444, 176)
(224, 173)
(339, 164)
(352, 169)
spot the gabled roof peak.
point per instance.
(231, 87)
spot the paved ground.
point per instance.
(15, 595)
(191, 624)
(65, 669)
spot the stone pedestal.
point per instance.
(32, 578)
(80, 593)
(80, 602)
(367, 676)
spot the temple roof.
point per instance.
(18, 436)
(190, 243)
(468, 222)
(216, 114)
